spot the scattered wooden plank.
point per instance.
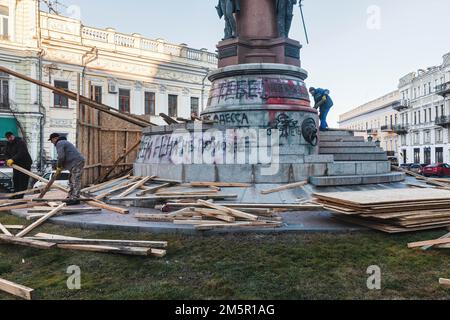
(102, 242)
(208, 227)
(135, 187)
(108, 207)
(154, 189)
(107, 249)
(67, 210)
(233, 212)
(26, 242)
(49, 185)
(286, 187)
(190, 197)
(17, 207)
(124, 185)
(444, 282)
(104, 185)
(187, 193)
(35, 176)
(215, 214)
(26, 192)
(40, 221)
(428, 243)
(154, 217)
(16, 289)
(14, 227)
(220, 184)
(5, 230)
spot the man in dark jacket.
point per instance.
(69, 158)
(17, 153)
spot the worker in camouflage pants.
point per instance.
(69, 158)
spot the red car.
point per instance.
(438, 169)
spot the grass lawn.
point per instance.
(294, 266)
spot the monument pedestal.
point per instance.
(259, 50)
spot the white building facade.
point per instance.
(425, 115)
(375, 120)
(127, 72)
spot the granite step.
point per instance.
(378, 156)
(355, 150)
(345, 144)
(336, 133)
(335, 181)
(340, 139)
(351, 168)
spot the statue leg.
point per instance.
(230, 18)
(282, 19)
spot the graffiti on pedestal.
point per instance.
(264, 90)
(287, 126)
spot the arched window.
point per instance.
(4, 20)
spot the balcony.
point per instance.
(401, 105)
(400, 129)
(388, 129)
(443, 121)
(443, 89)
(372, 131)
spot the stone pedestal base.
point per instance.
(242, 51)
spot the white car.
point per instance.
(63, 179)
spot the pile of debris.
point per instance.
(391, 211)
(193, 203)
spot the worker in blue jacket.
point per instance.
(323, 103)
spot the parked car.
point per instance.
(6, 179)
(405, 166)
(438, 169)
(393, 161)
(416, 168)
(62, 180)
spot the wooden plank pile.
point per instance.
(391, 211)
(208, 216)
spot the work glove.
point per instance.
(324, 99)
(59, 170)
(10, 162)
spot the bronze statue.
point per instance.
(227, 9)
(285, 14)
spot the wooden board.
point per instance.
(107, 249)
(40, 221)
(102, 242)
(445, 282)
(390, 196)
(230, 211)
(26, 242)
(5, 230)
(16, 289)
(286, 187)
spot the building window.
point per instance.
(59, 100)
(417, 156)
(439, 155)
(442, 110)
(439, 137)
(425, 114)
(173, 105)
(195, 106)
(431, 117)
(96, 94)
(427, 136)
(4, 20)
(124, 100)
(427, 156)
(4, 91)
(416, 138)
(150, 103)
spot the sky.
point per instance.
(358, 49)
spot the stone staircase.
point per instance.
(355, 161)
